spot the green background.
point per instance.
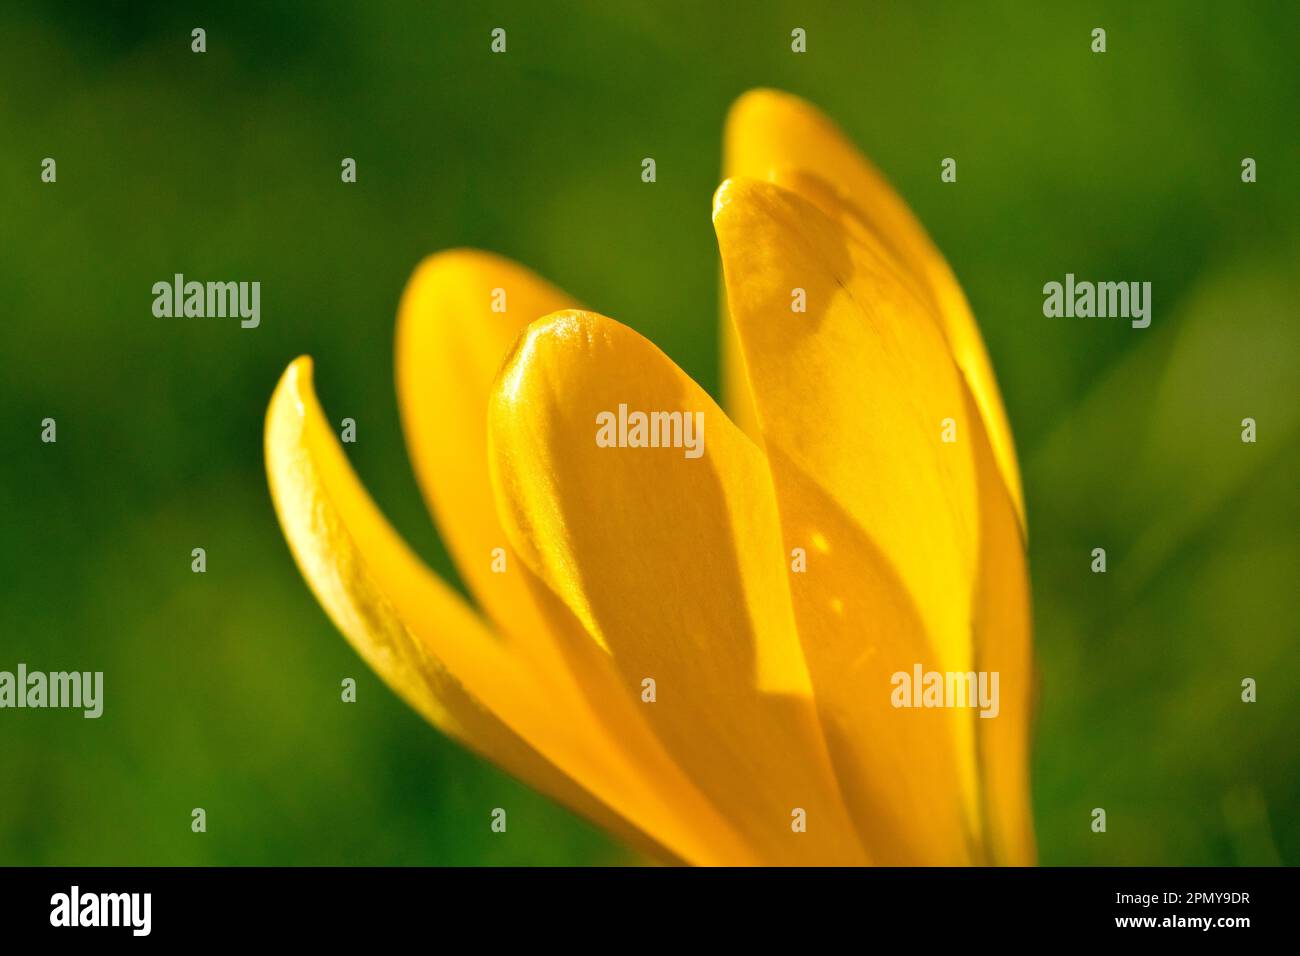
(223, 689)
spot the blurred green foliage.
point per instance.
(222, 689)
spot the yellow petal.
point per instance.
(781, 138)
(673, 563)
(434, 651)
(899, 769)
(451, 343)
(1003, 630)
(852, 398)
(737, 397)
(450, 346)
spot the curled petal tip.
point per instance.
(296, 380)
(300, 368)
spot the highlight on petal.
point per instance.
(855, 398)
(781, 138)
(435, 652)
(661, 536)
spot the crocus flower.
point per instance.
(701, 652)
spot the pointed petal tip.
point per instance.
(295, 381)
(300, 369)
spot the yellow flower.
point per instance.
(699, 653)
